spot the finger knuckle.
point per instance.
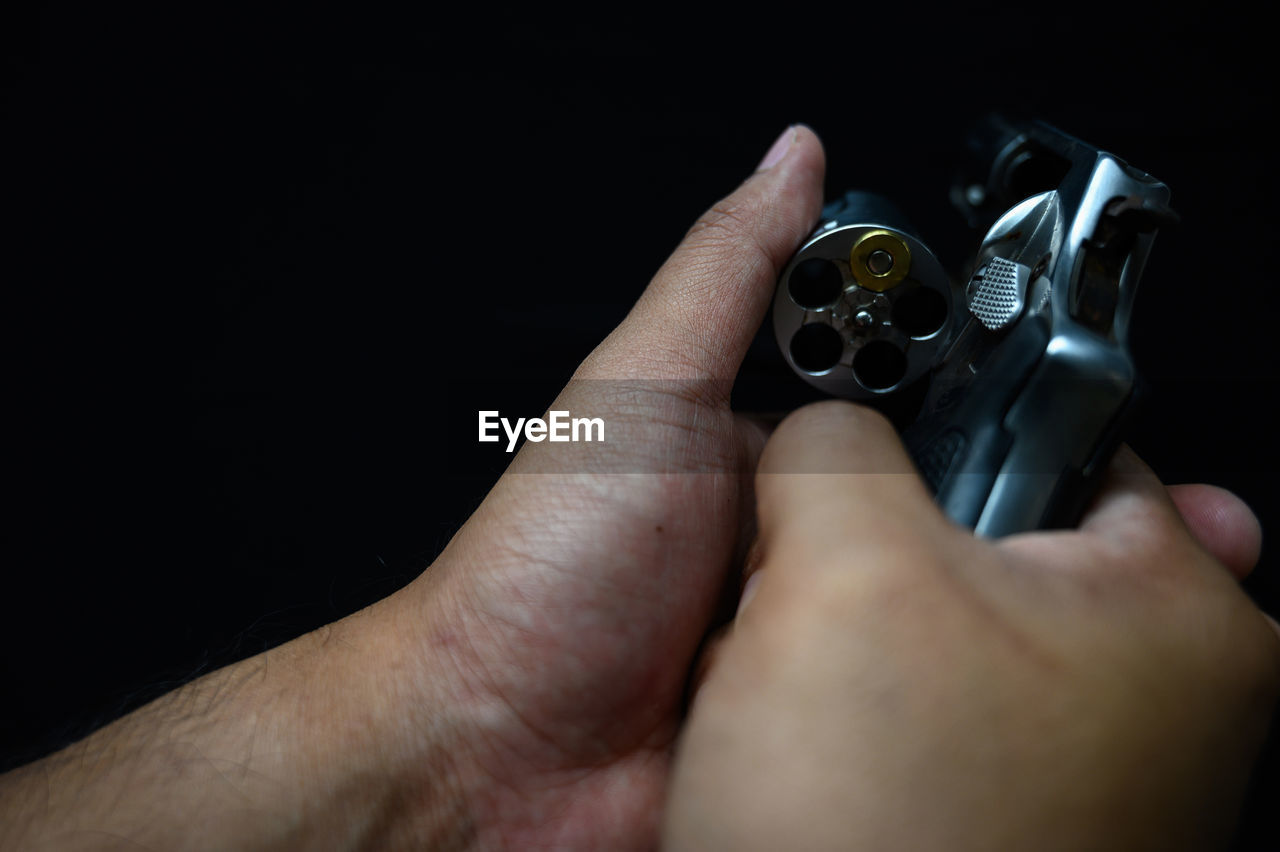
(728, 227)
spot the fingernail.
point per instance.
(748, 591)
(779, 149)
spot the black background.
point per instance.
(262, 269)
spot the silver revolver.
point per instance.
(1021, 366)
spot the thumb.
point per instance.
(698, 315)
(835, 479)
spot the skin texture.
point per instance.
(529, 690)
(909, 686)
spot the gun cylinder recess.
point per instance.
(864, 307)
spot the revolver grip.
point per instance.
(1025, 447)
(960, 447)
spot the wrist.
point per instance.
(333, 740)
(375, 738)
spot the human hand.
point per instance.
(892, 682)
(574, 601)
(526, 690)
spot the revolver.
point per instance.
(1020, 370)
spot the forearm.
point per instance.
(313, 744)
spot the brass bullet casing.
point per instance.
(870, 266)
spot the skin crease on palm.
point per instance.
(890, 683)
